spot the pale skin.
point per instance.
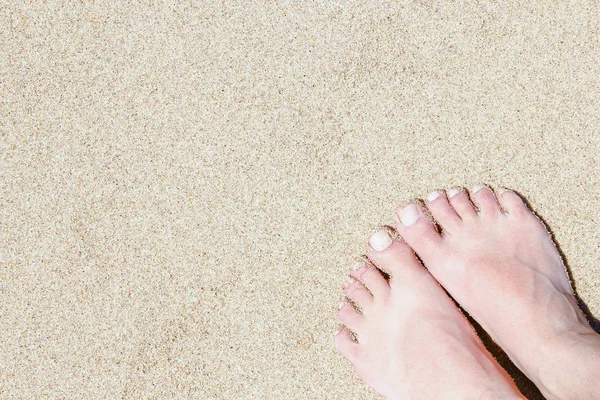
(496, 259)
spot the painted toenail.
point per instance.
(453, 192)
(432, 196)
(357, 265)
(410, 214)
(380, 240)
(476, 189)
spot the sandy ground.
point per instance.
(182, 187)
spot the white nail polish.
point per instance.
(453, 192)
(432, 196)
(357, 265)
(380, 240)
(476, 189)
(410, 214)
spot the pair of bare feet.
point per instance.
(497, 260)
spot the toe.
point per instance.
(359, 294)
(350, 318)
(459, 200)
(485, 200)
(398, 259)
(442, 211)
(346, 346)
(371, 277)
(512, 203)
(417, 230)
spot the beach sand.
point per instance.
(183, 187)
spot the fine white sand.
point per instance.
(182, 187)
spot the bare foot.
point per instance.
(504, 270)
(413, 343)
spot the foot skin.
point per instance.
(502, 267)
(413, 342)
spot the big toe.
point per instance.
(394, 257)
(418, 231)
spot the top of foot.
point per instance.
(413, 342)
(497, 260)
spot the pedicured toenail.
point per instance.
(476, 189)
(380, 240)
(432, 196)
(349, 282)
(453, 192)
(357, 265)
(410, 214)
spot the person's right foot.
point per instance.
(504, 270)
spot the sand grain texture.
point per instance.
(183, 186)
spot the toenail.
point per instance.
(357, 265)
(476, 189)
(410, 214)
(453, 192)
(341, 305)
(502, 190)
(380, 240)
(349, 282)
(432, 196)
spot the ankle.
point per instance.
(571, 367)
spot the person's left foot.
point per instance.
(413, 342)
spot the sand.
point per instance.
(183, 186)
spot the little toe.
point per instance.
(351, 318)
(512, 203)
(397, 259)
(371, 277)
(359, 294)
(442, 211)
(346, 346)
(485, 200)
(459, 200)
(417, 230)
